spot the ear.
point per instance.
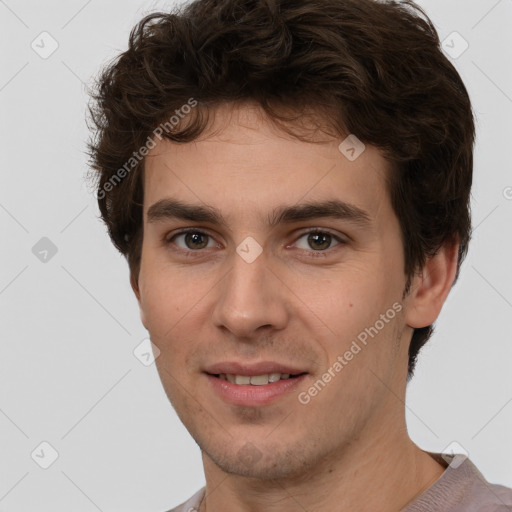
(134, 282)
(430, 288)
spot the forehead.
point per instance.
(244, 165)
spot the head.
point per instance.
(238, 107)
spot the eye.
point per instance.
(193, 240)
(318, 240)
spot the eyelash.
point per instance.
(313, 254)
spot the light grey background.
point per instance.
(69, 326)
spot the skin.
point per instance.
(287, 306)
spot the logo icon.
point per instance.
(455, 45)
(454, 451)
(249, 454)
(146, 352)
(351, 147)
(44, 455)
(249, 249)
(44, 45)
(44, 250)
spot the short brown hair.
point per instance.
(372, 68)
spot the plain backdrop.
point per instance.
(70, 323)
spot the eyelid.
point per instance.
(169, 237)
(341, 239)
(324, 231)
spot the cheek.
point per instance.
(163, 299)
(352, 296)
(174, 303)
(357, 308)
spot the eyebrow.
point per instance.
(336, 209)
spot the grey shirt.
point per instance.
(461, 488)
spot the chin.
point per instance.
(266, 468)
(269, 463)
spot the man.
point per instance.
(290, 184)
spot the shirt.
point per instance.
(461, 488)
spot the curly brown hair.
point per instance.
(370, 68)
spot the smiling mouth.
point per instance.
(255, 380)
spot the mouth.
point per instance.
(256, 380)
(255, 383)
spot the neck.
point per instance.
(365, 478)
(377, 468)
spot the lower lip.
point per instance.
(249, 395)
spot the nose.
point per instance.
(250, 298)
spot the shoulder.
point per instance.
(495, 498)
(462, 488)
(488, 496)
(192, 504)
(480, 495)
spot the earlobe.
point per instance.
(135, 286)
(431, 287)
(136, 290)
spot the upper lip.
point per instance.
(261, 368)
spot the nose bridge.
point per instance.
(248, 297)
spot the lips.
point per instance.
(249, 394)
(254, 369)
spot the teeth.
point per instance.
(255, 380)
(259, 380)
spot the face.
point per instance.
(260, 284)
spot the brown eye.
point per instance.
(196, 240)
(318, 241)
(192, 240)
